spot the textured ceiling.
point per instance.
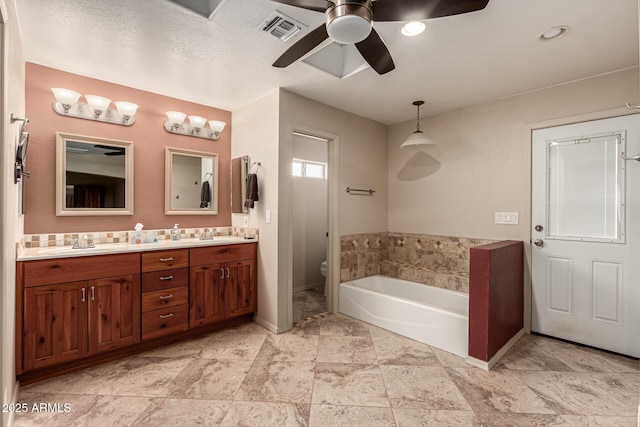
(159, 46)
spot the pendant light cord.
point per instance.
(418, 119)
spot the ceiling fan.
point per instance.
(350, 22)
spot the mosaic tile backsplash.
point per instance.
(102, 237)
(441, 261)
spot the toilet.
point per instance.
(323, 271)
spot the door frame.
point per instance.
(333, 199)
(527, 190)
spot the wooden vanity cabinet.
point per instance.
(223, 282)
(69, 311)
(79, 311)
(165, 293)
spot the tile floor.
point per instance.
(308, 303)
(336, 371)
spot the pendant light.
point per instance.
(418, 137)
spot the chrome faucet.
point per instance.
(206, 235)
(83, 243)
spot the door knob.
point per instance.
(538, 242)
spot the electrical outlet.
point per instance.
(506, 218)
(268, 216)
(246, 221)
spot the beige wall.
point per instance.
(362, 158)
(263, 131)
(359, 152)
(255, 133)
(480, 163)
(149, 140)
(12, 102)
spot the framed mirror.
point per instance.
(191, 182)
(94, 176)
(239, 172)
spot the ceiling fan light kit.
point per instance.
(349, 22)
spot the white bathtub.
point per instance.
(434, 316)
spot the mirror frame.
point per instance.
(239, 173)
(61, 168)
(168, 173)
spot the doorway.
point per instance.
(309, 222)
(585, 237)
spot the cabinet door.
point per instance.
(240, 293)
(55, 324)
(206, 297)
(114, 312)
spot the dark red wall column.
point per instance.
(496, 296)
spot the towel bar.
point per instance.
(358, 191)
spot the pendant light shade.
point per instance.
(418, 137)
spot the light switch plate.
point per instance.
(246, 221)
(268, 218)
(506, 218)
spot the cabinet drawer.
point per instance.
(165, 279)
(217, 254)
(65, 270)
(165, 298)
(164, 260)
(165, 321)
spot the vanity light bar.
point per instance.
(196, 126)
(96, 107)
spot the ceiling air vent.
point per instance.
(281, 26)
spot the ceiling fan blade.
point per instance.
(317, 5)
(302, 47)
(409, 10)
(374, 51)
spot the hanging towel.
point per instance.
(252, 190)
(205, 195)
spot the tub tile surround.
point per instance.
(540, 381)
(441, 261)
(108, 237)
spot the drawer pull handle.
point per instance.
(164, 316)
(166, 259)
(222, 273)
(166, 277)
(227, 272)
(166, 296)
(83, 295)
(93, 293)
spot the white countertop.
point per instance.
(28, 254)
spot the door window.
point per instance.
(585, 181)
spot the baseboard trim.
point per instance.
(267, 325)
(14, 400)
(487, 366)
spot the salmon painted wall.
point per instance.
(149, 141)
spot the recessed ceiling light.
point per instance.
(413, 28)
(553, 33)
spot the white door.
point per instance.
(585, 236)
